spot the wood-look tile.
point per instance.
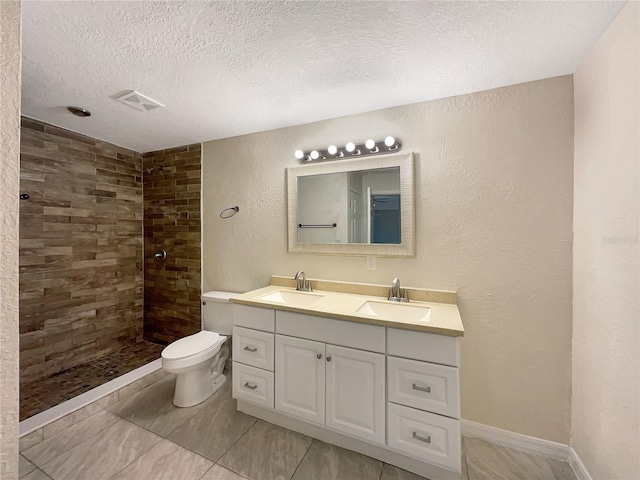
(266, 452)
(37, 474)
(59, 170)
(25, 467)
(486, 461)
(31, 439)
(389, 472)
(220, 473)
(328, 462)
(79, 415)
(153, 409)
(172, 222)
(223, 427)
(101, 456)
(165, 461)
(66, 439)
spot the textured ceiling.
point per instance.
(229, 68)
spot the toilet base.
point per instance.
(192, 389)
(194, 386)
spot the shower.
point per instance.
(151, 170)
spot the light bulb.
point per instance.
(371, 146)
(350, 147)
(332, 149)
(315, 155)
(299, 154)
(390, 142)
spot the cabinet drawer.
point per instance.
(253, 385)
(328, 330)
(429, 347)
(253, 347)
(423, 385)
(255, 317)
(429, 437)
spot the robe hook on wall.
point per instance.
(229, 212)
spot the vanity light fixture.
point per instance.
(371, 146)
(351, 149)
(335, 152)
(315, 155)
(391, 143)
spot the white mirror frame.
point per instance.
(407, 204)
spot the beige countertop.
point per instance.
(444, 318)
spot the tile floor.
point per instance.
(36, 397)
(145, 437)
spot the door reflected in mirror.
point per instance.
(361, 206)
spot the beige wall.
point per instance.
(494, 175)
(9, 181)
(606, 345)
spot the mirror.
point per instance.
(353, 207)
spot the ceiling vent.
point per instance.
(138, 101)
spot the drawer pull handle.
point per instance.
(421, 389)
(251, 349)
(319, 356)
(426, 439)
(253, 387)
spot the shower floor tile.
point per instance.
(39, 396)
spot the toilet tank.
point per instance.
(217, 312)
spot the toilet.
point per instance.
(198, 360)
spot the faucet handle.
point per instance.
(405, 295)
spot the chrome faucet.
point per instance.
(396, 294)
(302, 284)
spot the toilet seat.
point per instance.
(191, 350)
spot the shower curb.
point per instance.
(118, 386)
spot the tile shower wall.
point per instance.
(172, 222)
(81, 290)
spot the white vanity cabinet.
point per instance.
(423, 396)
(389, 393)
(300, 377)
(342, 388)
(253, 355)
(355, 400)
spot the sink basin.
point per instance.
(288, 297)
(396, 311)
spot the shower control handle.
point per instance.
(160, 255)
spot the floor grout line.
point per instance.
(142, 454)
(69, 448)
(303, 457)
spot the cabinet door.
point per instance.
(300, 376)
(355, 393)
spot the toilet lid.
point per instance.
(191, 345)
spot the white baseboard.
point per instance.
(517, 441)
(578, 467)
(527, 444)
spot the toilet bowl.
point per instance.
(198, 360)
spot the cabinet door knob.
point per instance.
(329, 358)
(319, 356)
